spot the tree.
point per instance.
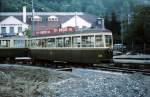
(107, 22)
(114, 25)
(28, 32)
(138, 30)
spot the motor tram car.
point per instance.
(86, 46)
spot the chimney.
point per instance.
(24, 14)
(100, 23)
(103, 24)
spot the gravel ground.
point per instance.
(28, 81)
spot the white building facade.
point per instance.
(12, 26)
(78, 22)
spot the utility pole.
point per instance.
(122, 28)
(75, 19)
(76, 15)
(32, 19)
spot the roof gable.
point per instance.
(11, 20)
(77, 21)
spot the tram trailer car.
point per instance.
(92, 46)
(89, 46)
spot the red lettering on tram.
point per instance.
(54, 30)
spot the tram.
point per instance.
(86, 46)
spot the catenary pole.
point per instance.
(32, 18)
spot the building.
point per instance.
(44, 21)
(12, 26)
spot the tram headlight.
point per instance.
(100, 56)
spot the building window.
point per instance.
(3, 29)
(84, 27)
(19, 29)
(99, 22)
(52, 18)
(11, 30)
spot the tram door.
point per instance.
(19, 43)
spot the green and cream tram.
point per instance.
(88, 46)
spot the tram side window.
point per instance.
(76, 41)
(4, 43)
(51, 42)
(59, 42)
(42, 43)
(26, 43)
(19, 43)
(99, 41)
(67, 41)
(108, 40)
(34, 43)
(87, 41)
(39, 43)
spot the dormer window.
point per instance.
(99, 21)
(36, 18)
(52, 18)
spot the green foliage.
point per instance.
(28, 32)
(138, 30)
(114, 25)
(97, 7)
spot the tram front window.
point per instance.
(87, 41)
(99, 41)
(108, 40)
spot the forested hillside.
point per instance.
(97, 7)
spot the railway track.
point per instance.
(108, 68)
(105, 67)
(123, 70)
